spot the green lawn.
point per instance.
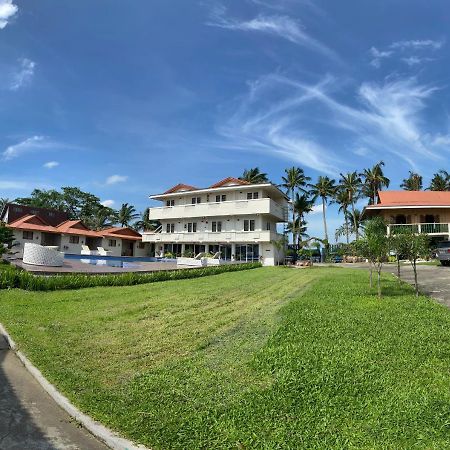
(266, 358)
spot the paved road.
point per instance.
(433, 280)
(29, 418)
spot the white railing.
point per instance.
(426, 228)
(217, 209)
(210, 237)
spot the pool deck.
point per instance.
(74, 266)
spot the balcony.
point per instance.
(427, 228)
(213, 209)
(213, 238)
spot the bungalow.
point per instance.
(421, 211)
(45, 227)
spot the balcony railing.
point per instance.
(210, 237)
(426, 228)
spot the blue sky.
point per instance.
(125, 99)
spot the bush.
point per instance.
(12, 278)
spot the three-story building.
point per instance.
(233, 217)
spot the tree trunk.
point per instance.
(415, 278)
(346, 226)
(378, 281)
(354, 219)
(324, 219)
(371, 275)
(374, 194)
(398, 266)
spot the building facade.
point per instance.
(233, 217)
(420, 211)
(42, 226)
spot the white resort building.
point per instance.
(233, 217)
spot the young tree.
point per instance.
(376, 246)
(254, 176)
(417, 246)
(398, 244)
(341, 198)
(280, 245)
(413, 182)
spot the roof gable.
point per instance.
(30, 219)
(180, 188)
(229, 181)
(413, 198)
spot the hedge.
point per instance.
(12, 278)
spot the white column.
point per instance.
(206, 248)
(233, 252)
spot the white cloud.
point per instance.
(29, 144)
(417, 44)
(23, 74)
(114, 179)
(51, 164)
(277, 25)
(108, 203)
(7, 11)
(6, 185)
(378, 56)
(317, 209)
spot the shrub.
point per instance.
(12, 278)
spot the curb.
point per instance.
(104, 434)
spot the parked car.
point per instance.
(443, 252)
(337, 259)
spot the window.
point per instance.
(112, 243)
(27, 235)
(196, 200)
(216, 227)
(141, 245)
(74, 239)
(221, 198)
(252, 195)
(170, 203)
(17, 209)
(192, 227)
(170, 228)
(249, 225)
(268, 226)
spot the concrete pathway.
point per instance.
(29, 418)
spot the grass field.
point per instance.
(267, 358)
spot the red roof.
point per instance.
(181, 187)
(76, 227)
(33, 223)
(230, 181)
(121, 233)
(412, 198)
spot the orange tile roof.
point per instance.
(412, 198)
(122, 233)
(229, 180)
(76, 227)
(33, 223)
(180, 187)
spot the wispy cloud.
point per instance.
(7, 10)
(417, 44)
(411, 52)
(281, 26)
(114, 179)
(13, 185)
(108, 203)
(51, 164)
(285, 117)
(23, 75)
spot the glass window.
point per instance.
(196, 200)
(224, 198)
(74, 239)
(27, 235)
(170, 203)
(112, 243)
(249, 225)
(268, 226)
(252, 195)
(216, 227)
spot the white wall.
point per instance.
(18, 238)
(67, 247)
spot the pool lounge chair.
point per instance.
(103, 252)
(85, 250)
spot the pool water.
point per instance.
(127, 262)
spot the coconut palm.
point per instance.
(254, 176)
(302, 205)
(374, 181)
(351, 183)
(126, 214)
(440, 181)
(145, 223)
(341, 198)
(413, 182)
(325, 188)
(293, 181)
(103, 217)
(3, 202)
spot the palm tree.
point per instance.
(351, 183)
(413, 182)
(254, 176)
(440, 181)
(126, 214)
(103, 217)
(145, 223)
(325, 188)
(295, 179)
(374, 181)
(341, 198)
(303, 204)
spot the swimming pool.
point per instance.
(127, 262)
